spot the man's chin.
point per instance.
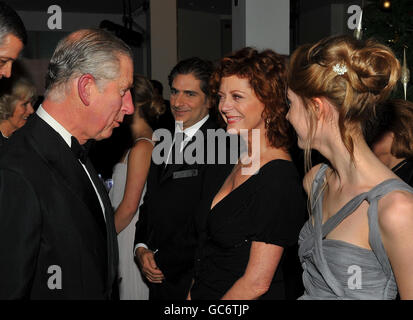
(104, 135)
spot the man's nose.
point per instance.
(6, 70)
(178, 100)
(127, 103)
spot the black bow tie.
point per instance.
(81, 151)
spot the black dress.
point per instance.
(269, 207)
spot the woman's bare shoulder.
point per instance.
(396, 211)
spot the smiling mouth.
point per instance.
(179, 111)
(233, 119)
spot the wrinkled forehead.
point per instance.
(125, 70)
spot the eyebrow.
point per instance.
(234, 91)
(185, 91)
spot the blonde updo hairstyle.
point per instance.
(372, 73)
(148, 103)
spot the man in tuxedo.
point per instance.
(165, 240)
(57, 234)
(12, 38)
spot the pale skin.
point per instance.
(139, 161)
(10, 49)
(395, 210)
(241, 109)
(90, 112)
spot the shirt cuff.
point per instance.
(138, 246)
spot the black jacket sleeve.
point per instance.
(20, 235)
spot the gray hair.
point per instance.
(10, 23)
(88, 51)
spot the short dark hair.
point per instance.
(199, 68)
(11, 23)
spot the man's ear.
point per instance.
(84, 86)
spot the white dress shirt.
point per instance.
(67, 137)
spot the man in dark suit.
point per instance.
(165, 240)
(12, 38)
(57, 234)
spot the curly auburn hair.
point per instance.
(267, 74)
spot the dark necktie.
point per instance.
(178, 144)
(81, 151)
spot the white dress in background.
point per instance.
(131, 287)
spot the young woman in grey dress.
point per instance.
(358, 242)
(129, 185)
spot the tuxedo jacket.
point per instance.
(166, 217)
(3, 140)
(52, 243)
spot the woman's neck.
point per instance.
(260, 150)
(363, 169)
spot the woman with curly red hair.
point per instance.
(251, 215)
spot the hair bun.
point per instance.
(377, 70)
(370, 74)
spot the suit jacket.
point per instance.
(166, 218)
(3, 140)
(52, 246)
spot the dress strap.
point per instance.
(318, 183)
(317, 203)
(343, 213)
(373, 195)
(375, 241)
(147, 139)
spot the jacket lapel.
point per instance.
(70, 174)
(112, 247)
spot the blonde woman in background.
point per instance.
(16, 97)
(358, 242)
(129, 185)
